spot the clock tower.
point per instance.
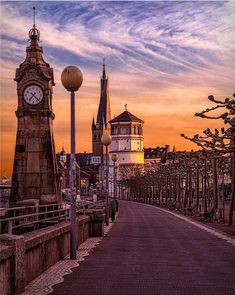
(35, 171)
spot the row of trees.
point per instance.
(199, 182)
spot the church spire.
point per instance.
(101, 125)
(104, 112)
(104, 72)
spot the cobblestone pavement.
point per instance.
(149, 251)
(43, 284)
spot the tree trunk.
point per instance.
(215, 183)
(190, 188)
(197, 187)
(186, 191)
(205, 186)
(231, 209)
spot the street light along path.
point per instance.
(149, 251)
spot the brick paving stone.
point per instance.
(149, 251)
(43, 284)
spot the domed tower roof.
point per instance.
(126, 117)
(34, 33)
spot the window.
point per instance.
(125, 130)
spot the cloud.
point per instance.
(163, 58)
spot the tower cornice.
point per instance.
(35, 113)
(46, 73)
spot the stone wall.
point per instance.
(24, 257)
(6, 264)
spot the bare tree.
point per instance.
(219, 142)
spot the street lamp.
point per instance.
(114, 159)
(106, 140)
(71, 79)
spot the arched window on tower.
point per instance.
(138, 130)
(125, 130)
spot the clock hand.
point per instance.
(33, 95)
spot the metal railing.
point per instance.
(33, 217)
(27, 218)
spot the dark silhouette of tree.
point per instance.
(219, 142)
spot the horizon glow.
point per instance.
(163, 59)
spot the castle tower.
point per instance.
(127, 139)
(35, 171)
(101, 125)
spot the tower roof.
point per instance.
(126, 117)
(34, 33)
(34, 58)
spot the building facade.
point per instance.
(127, 139)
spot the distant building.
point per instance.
(128, 144)
(5, 191)
(127, 139)
(156, 155)
(87, 170)
(101, 126)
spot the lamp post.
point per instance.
(114, 159)
(106, 141)
(71, 79)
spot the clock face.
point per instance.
(33, 94)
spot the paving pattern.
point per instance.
(149, 251)
(43, 284)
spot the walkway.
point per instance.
(149, 251)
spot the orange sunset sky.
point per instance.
(163, 59)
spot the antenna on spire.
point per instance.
(34, 14)
(125, 107)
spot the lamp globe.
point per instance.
(71, 78)
(106, 139)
